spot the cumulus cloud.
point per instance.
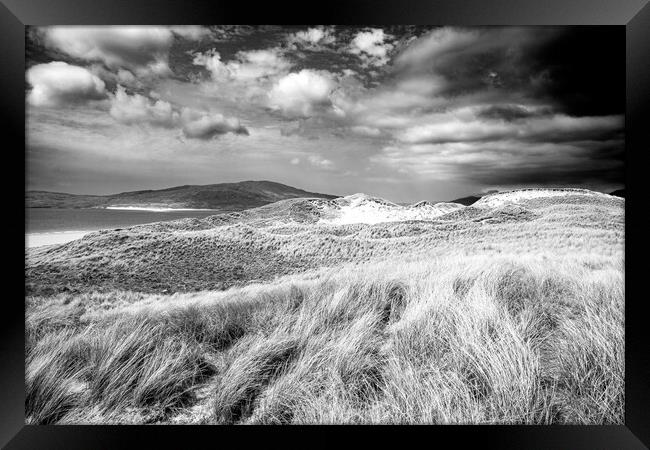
(464, 105)
(315, 38)
(468, 104)
(122, 77)
(372, 47)
(445, 69)
(144, 50)
(135, 109)
(251, 65)
(58, 83)
(246, 78)
(299, 94)
(467, 85)
(211, 60)
(206, 125)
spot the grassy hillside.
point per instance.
(44, 199)
(294, 235)
(507, 311)
(226, 196)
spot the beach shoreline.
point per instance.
(53, 237)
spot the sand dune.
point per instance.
(353, 310)
(361, 208)
(293, 235)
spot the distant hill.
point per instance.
(469, 200)
(223, 196)
(618, 193)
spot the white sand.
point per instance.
(361, 208)
(55, 237)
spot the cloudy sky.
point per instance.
(406, 113)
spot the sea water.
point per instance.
(46, 226)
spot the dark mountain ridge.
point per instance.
(222, 196)
(469, 200)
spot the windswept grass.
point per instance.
(475, 339)
(512, 313)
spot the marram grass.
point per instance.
(461, 339)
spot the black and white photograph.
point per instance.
(325, 224)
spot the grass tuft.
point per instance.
(457, 340)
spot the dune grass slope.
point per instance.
(454, 341)
(512, 313)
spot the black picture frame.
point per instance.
(634, 15)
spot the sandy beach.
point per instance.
(56, 237)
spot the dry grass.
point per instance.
(454, 340)
(506, 315)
